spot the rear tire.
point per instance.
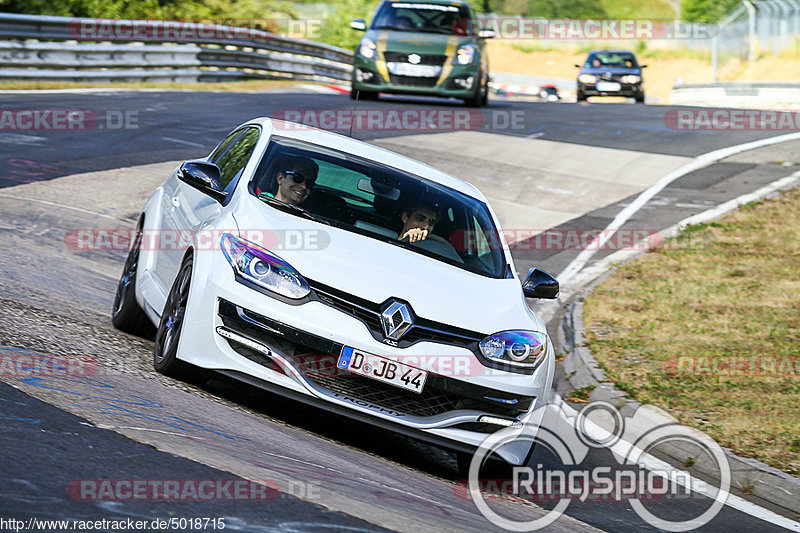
(168, 336)
(126, 314)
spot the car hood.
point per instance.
(377, 270)
(408, 42)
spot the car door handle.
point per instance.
(176, 202)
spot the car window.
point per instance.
(611, 59)
(231, 157)
(370, 198)
(434, 18)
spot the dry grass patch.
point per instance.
(708, 328)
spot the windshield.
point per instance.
(432, 18)
(380, 202)
(611, 59)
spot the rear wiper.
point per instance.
(292, 208)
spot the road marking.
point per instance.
(623, 449)
(179, 141)
(699, 162)
(45, 202)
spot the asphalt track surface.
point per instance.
(46, 448)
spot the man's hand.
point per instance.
(415, 234)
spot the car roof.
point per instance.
(354, 146)
(611, 51)
(437, 2)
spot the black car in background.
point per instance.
(611, 73)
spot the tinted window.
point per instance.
(434, 18)
(611, 59)
(369, 198)
(232, 155)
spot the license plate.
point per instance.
(383, 369)
(609, 86)
(419, 71)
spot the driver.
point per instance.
(418, 221)
(296, 180)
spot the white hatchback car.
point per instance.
(276, 260)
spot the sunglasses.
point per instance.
(299, 178)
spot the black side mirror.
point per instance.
(540, 284)
(203, 176)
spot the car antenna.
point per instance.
(353, 118)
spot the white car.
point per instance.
(320, 301)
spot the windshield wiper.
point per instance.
(390, 27)
(435, 30)
(292, 208)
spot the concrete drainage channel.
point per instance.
(581, 370)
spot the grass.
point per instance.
(666, 327)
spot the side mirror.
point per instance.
(486, 34)
(642, 66)
(540, 284)
(203, 176)
(359, 24)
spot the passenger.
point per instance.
(295, 183)
(418, 221)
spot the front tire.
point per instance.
(481, 96)
(168, 336)
(126, 315)
(581, 96)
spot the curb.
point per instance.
(581, 370)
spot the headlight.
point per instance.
(262, 268)
(587, 78)
(464, 55)
(368, 48)
(630, 78)
(524, 349)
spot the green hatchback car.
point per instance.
(430, 47)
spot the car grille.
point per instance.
(430, 402)
(369, 313)
(315, 358)
(412, 81)
(425, 59)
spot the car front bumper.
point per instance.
(453, 81)
(292, 349)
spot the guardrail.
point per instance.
(80, 49)
(740, 95)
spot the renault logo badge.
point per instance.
(396, 320)
(414, 59)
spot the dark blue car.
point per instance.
(611, 73)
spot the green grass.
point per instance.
(724, 290)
